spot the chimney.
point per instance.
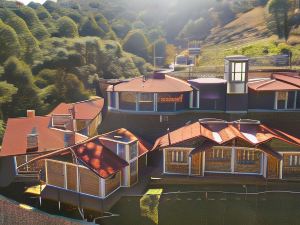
(69, 138)
(30, 113)
(32, 142)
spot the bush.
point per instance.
(67, 27)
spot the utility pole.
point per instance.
(154, 57)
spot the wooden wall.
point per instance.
(112, 183)
(291, 171)
(218, 164)
(244, 166)
(32, 167)
(78, 178)
(170, 167)
(196, 167)
(273, 167)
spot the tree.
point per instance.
(28, 43)
(9, 43)
(69, 88)
(121, 27)
(198, 29)
(34, 24)
(6, 92)
(279, 10)
(19, 74)
(67, 27)
(137, 43)
(91, 28)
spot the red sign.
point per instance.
(171, 99)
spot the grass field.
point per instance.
(199, 207)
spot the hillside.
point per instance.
(246, 27)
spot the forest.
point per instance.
(58, 51)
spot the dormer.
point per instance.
(236, 74)
(62, 121)
(32, 141)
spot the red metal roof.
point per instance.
(167, 84)
(125, 136)
(221, 133)
(272, 85)
(99, 158)
(85, 110)
(291, 78)
(17, 129)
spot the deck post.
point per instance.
(203, 164)
(190, 165)
(117, 100)
(232, 159)
(280, 169)
(265, 165)
(191, 99)
(164, 160)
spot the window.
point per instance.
(133, 167)
(218, 154)
(178, 156)
(238, 71)
(282, 99)
(294, 160)
(133, 150)
(146, 102)
(121, 151)
(247, 156)
(163, 118)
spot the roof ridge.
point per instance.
(266, 83)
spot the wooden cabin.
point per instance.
(29, 137)
(243, 147)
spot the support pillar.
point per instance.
(232, 159)
(280, 169)
(203, 164)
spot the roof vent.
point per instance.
(69, 138)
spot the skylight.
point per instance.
(251, 137)
(217, 137)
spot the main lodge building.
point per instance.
(161, 93)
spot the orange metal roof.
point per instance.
(17, 129)
(99, 158)
(222, 133)
(272, 85)
(85, 110)
(166, 85)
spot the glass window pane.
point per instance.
(133, 149)
(238, 67)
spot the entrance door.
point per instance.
(273, 167)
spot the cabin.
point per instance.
(130, 148)
(87, 172)
(28, 137)
(155, 93)
(86, 115)
(243, 147)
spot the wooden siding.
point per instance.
(89, 182)
(273, 167)
(79, 176)
(245, 165)
(71, 177)
(112, 183)
(93, 126)
(55, 173)
(291, 166)
(218, 164)
(171, 167)
(196, 166)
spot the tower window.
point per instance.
(238, 71)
